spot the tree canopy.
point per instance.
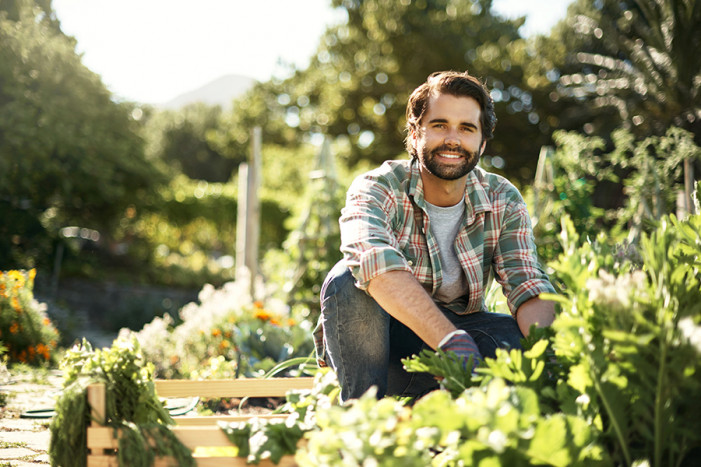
(69, 155)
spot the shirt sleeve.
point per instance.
(368, 242)
(516, 264)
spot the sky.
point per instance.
(151, 51)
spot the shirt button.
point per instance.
(411, 263)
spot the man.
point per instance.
(422, 240)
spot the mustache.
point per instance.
(445, 148)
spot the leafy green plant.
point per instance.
(260, 439)
(621, 337)
(25, 330)
(131, 406)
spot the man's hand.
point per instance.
(464, 346)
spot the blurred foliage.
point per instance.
(68, 154)
(180, 139)
(648, 171)
(313, 247)
(26, 333)
(633, 63)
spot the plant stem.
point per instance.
(614, 421)
(658, 404)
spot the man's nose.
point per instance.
(451, 139)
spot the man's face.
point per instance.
(448, 141)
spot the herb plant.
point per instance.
(132, 406)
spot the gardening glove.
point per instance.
(463, 345)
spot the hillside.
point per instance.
(221, 92)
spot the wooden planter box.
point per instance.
(193, 432)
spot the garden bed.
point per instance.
(194, 432)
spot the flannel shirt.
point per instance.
(384, 227)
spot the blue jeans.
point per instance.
(365, 345)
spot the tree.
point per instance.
(69, 155)
(358, 82)
(638, 58)
(180, 139)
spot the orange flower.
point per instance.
(43, 350)
(258, 304)
(14, 329)
(274, 322)
(224, 345)
(291, 322)
(16, 305)
(263, 315)
(47, 322)
(174, 359)
(216, 332)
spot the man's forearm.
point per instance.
(401, 295)
(535, 311)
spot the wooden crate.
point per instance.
(193, 432)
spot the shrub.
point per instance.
(25, 329)
(225, 335)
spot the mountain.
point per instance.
(221, 92)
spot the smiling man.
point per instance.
(422, 239)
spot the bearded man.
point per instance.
(422, 239)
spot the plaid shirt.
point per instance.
(384, 227)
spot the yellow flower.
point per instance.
(216, 332)
(32, 274)
(16, 305)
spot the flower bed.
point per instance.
(25, 330)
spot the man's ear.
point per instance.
(484, 145)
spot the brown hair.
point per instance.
(455, 84)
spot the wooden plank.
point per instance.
(285, 461)
(242, 387)
(95, 460)
(96, 402)
(111, 461)
(213, 419)
(201, 436)
(101, 437)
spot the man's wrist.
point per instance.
(449, 336)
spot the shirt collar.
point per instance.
(476, 198)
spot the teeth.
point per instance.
(451, 156)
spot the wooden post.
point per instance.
(689, 186)
(543, 180)
(248, 217)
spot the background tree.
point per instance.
(69, 155)
(633, 63)
(180, 139)
(358, 82)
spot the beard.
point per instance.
(452, 171)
